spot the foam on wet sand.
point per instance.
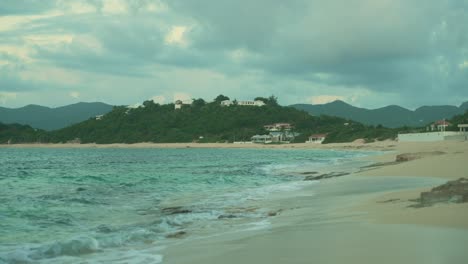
(367, 217)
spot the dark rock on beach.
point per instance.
(178, 234)
(175, 210)
(309, 173)
(451, 192)
(325, 176)
(412, 156)
(227, 216)
(274, 213)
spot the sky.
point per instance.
(370, 53)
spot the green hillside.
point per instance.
(16, 133)
(200, 122)
(210, 122)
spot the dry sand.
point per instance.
(362, 228)
(446, 160)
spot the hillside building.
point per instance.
(440, 125)
(243, 103)
(179, 103)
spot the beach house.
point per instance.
(265, 139)
(278, 133)
(440, 125)
(317, 138)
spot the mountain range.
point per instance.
(52, 118)
(388, 116)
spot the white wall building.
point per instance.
(251, 103)
(179, 103)
(243, 103)
(431, 136)
(226, 103)
(317, 138)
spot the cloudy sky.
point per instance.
(369, 53)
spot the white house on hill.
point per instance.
(226, 103)
(251, 103)
(243, 103)
(179, 103)
(278, 127)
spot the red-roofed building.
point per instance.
(440, 125)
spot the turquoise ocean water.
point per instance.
(119, 205)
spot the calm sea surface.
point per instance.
(119, 205)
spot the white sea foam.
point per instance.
(119, 220)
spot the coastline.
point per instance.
(365, 217)
(383, 145)
(357, 226)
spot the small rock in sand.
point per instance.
(228, 216)
(178, 234)
(412, 156)
(451, 192)
(175, 210)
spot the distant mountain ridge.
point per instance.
(53, 118)
(389, 116)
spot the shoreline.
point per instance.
(364, 227)
(381, 145)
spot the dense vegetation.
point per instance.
(16, 133)
(201, 122)
(458, 119)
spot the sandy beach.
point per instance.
(366, 217)
(350, 226)
(383, 145)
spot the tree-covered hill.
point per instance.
(210, 122)
(16, 133)
(205, 122)
(457, 120)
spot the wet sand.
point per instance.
(360, 218)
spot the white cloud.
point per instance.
(115, 7)
(48, 40)
(323, 99)
(159, 99)
(463, 65)
(8, 23)
(75, 94)
(157, 7)
(76, 7)
(176, 36)
(184, 97)
(20, 52)
(7, 96)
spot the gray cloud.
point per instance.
(404, 48)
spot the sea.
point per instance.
(125, 205)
